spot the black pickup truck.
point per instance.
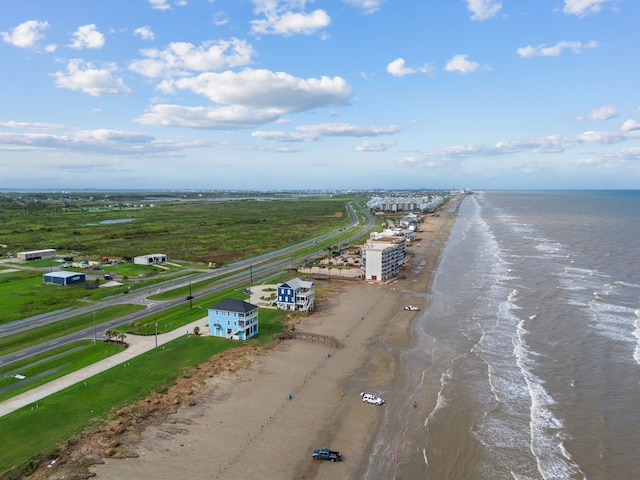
(327, 454)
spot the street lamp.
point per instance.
(94, 328)
(156, 325)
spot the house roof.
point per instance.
(296, 283)
(63, 274)
(233, 305)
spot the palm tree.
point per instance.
(196, 331)
(109, 333)
(121, 336)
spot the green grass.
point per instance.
(195, 231)
(36, 431)
(51, 365)
(47, 333)
(24, 294)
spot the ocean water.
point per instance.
(526, 365)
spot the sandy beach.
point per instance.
(264, 420)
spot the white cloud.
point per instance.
(264, 89)
(179, 57)
(27, 34)
(145, 33)
(309, 133)
(483, 9)
(283, 136)
(30, 125)
(367, 6)
(630, 126)
(87, 36)
(219, 19)
(548, 144)
(281, 19)
(602, 113)
(100, 142)
(210, 118)
(160, 4)
(83, 76)
(347, 130)
(555, 50)
(583, 7)
(374, 146)
(248, 98)
(461, 64)
(397, 68)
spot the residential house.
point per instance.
(233, 319)
(298, 295)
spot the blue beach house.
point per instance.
(233, 319)
(298, 295)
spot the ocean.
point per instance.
(526, 364)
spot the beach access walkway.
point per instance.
(137, 345)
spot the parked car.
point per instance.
(411, 308)
(370, 398)
(327, 454)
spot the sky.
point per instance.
(324, 94)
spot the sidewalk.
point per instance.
(137, 346)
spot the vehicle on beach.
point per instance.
(411, 308)
(327, 454)
(370, 398)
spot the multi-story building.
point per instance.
(298, 295)
(382, 256)
(233, 319)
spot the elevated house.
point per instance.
(233, 319)
(298, 295)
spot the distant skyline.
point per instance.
(335, 94)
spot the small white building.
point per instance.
(34, 255)
(152, 259)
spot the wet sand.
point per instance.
(263, 421)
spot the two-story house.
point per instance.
(298, 295)
(233, 319)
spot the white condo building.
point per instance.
(382, 256)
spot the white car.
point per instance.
(370, 398)
(411, 308)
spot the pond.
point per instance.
(117, 220)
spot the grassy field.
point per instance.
(66, 414)
(47, 333)
(56, 363)
(195, 231)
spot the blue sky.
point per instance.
(335, 94)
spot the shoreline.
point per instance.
(265, 418)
